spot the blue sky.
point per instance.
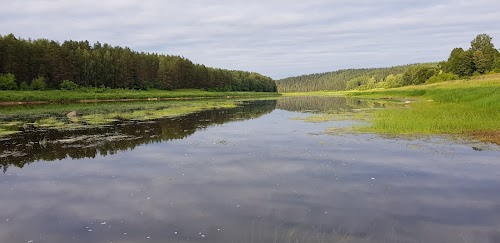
(277, 38)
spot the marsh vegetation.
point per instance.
(466, 107)
(461, 107)
(15, 119)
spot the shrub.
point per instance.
(496, 66)
(418, 74)
(68, 85)
(393, 81)
(8, 82)
(38, 84)
(356, 82)
(441, 77)
(24, 86)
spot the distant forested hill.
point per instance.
(40, 64)
(481, 58)
(342, 79)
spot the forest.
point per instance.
(480, 58)
(44, 64)
(340, 80)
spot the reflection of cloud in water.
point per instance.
(245, 191)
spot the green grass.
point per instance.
(49, 122)
(469, 107)
(4, 132)
(8, 128)
(340, 116)
(118, 94)
(151, 114)
(316, 118)
(11, 112)
(53, 116)
(462, 107)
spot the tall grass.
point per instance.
(454, 107)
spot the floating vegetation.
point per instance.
(4, 132)
(149, 114)
(98, 119)
(51, 122)
(360, 115)
(340, 130)
(57, 116)
(9, 128)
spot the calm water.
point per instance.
(249, 174)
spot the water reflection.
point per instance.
(52, 144)
(259, 180)
(328, 104)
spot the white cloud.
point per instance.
(277, 38)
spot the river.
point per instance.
(257, 172)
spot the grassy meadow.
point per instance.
(469, 107)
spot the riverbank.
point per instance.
(461, 107)
(98, 95)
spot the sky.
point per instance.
(276, 38)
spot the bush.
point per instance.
(356, 82)
(8, 82)
(418, 74)
(38, 84)
(496, 67)
(68, 85)
(381, 85)
(393, 81)
(441, 77)
(24, 86)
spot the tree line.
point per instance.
(41, 63)
(480, 58)
(345, 79)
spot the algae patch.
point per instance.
(55, 117)
(51, 122)
(9, 128)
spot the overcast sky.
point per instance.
(277, 38)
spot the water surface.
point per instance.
(246, 174)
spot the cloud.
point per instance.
(274, 37)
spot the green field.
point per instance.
(468, 107)
(118, 94)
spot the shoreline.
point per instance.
(141, 96)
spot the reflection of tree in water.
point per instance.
(33, 145)
(325, 104)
